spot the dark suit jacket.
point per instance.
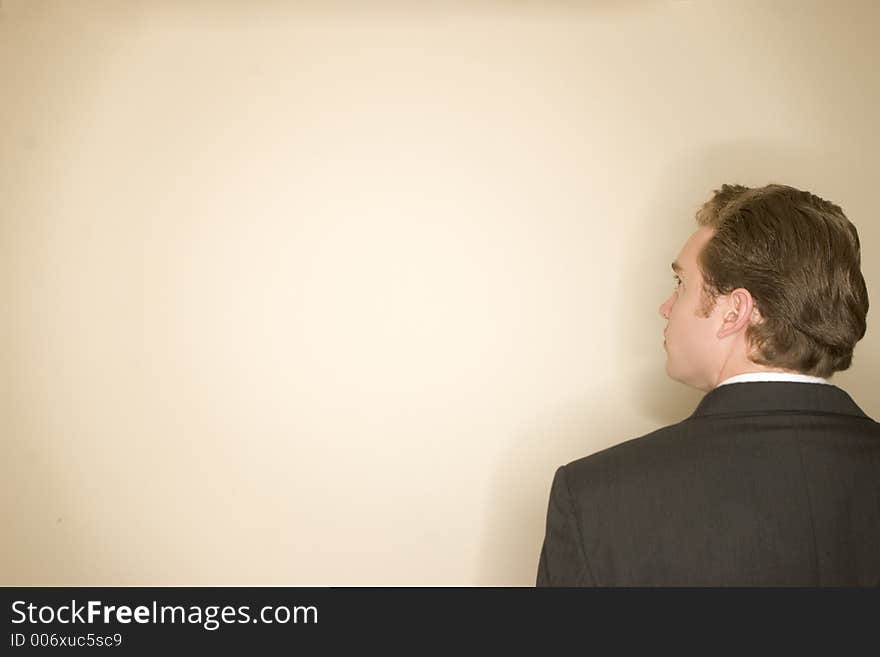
(766, 484)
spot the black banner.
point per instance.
(108, 620)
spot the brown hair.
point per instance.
(799, 257)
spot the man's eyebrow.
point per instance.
(676, 267)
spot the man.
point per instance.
(774, 480)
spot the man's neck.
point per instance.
(747, 367)
(788, 376)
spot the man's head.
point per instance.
(771, 280)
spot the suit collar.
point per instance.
(769, 396)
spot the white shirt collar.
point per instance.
(774, 376)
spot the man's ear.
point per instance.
(738, 310)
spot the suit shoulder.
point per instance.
(663, 443)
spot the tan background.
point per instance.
(322, 293)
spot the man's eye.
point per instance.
(677, 280)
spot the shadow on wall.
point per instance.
(520, 488)
(32, 557)
(521, 481)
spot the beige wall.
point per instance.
(323, 293)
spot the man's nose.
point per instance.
(665, 307)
